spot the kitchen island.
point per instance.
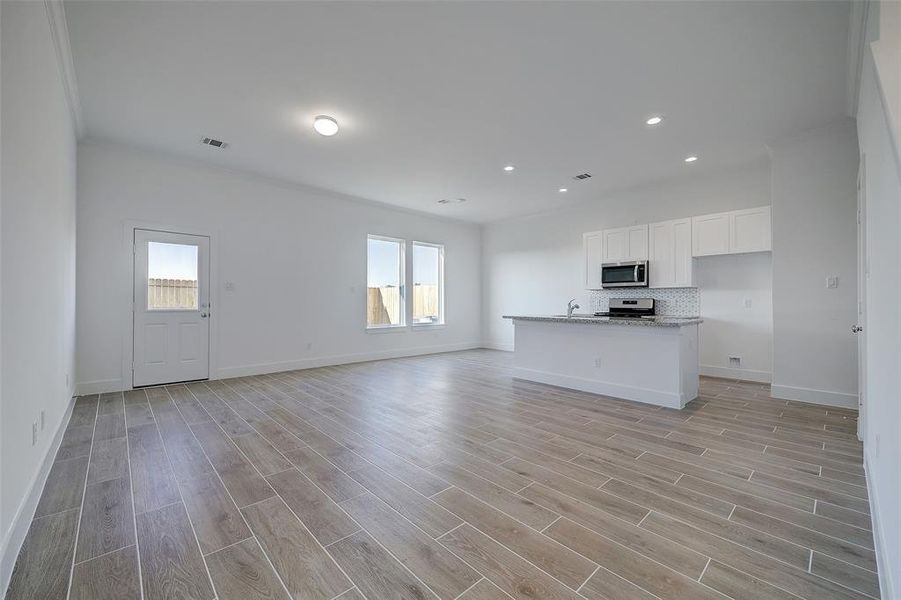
(646, 359)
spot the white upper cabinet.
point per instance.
(732, 232)
(710, 234)
(593, 250)
(670, 253)
(669, 246)
(625, 243)
(750, 230)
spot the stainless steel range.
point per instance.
(629, 308)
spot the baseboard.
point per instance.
(18, 529)
(496, 346)
(603, 388)
(339, 359)
(839, 399)
(100, 386)
(886, 586)
(743, 374)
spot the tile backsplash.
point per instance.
(671, 302)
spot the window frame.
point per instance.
(402, 260)
(441, 316)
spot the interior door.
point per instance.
(862, 276)
(171, 307)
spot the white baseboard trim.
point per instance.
(18, 529)
(100, 386)
(116, 385)
(886, 586)
(339, 359)
(801, 394)
(743, 374)
(604, 388)
(496, 346)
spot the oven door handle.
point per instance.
(635, 277)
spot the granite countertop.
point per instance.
(592, 320)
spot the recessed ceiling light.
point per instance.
(562, 190)
(691, 158)
(509, 168)
(325, 125)
(655, 120)
(451, 200)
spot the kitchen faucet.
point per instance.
(570, 307)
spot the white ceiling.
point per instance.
(435, 98)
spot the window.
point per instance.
(171, 276)
(428, 284)
(385, 302)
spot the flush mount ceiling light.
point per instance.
(451, 200)
(325, 125)
(691, 159)
(655, 120)
(509, 168)
(562, 190)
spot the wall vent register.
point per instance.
(214, 143)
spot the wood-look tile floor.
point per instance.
(442, 477)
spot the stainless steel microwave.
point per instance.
(624, 274)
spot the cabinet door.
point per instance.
(683, 264)
(616, 244)
(710, 234)
(638, 243)
(750, 230)
(592, 246)
(660, 254)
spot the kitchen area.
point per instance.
(644, 334)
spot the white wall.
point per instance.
(882, 328)
(815, 237)
(37, 249)
(533, 265)
(306, 248)
(731, 327)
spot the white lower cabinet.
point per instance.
(670, 253)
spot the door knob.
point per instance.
(203, 315)
(856, 329)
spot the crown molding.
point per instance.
(59, 31)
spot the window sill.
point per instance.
(387, 329)
(427, 326)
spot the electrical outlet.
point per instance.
(597, 362)
(747, 303)
(34, 433)
(832, 282)
(229, 286)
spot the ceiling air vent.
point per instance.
(214, 143)
(583, 176)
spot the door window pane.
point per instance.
(171, 276)
(385, 282)
(428, 284)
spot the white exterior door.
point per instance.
(171, 307)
